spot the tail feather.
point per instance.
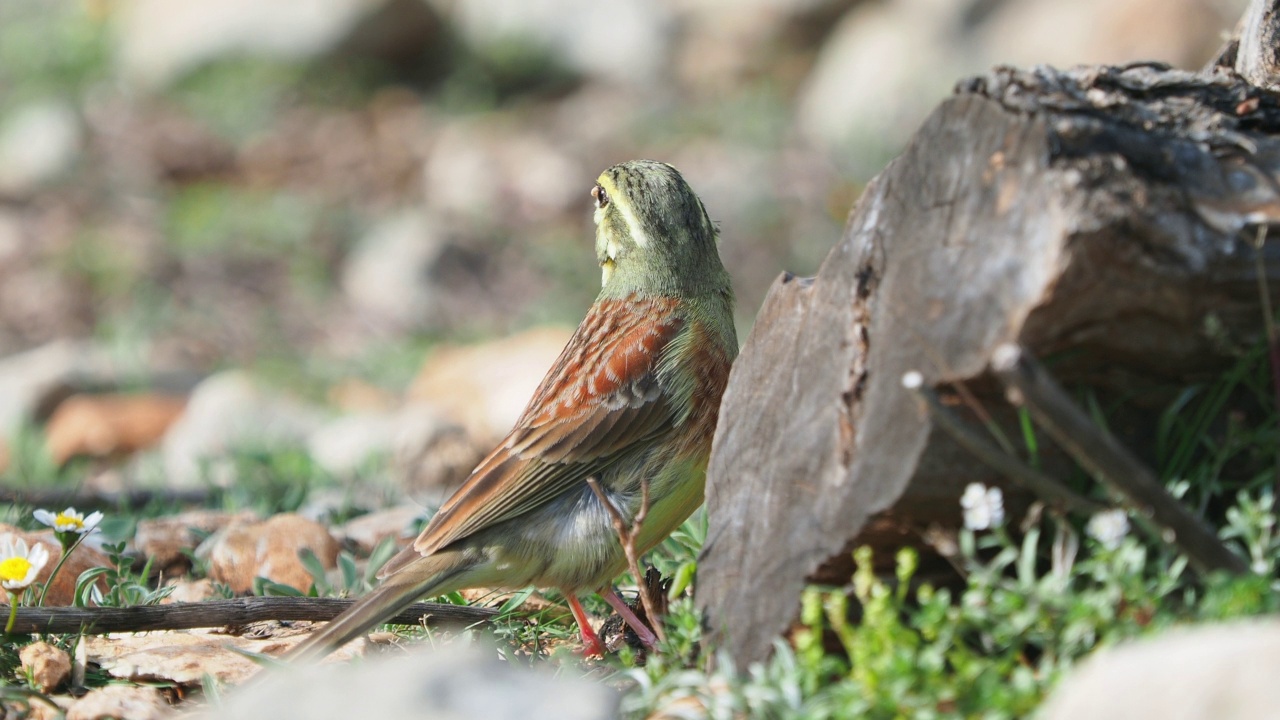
(433, 575)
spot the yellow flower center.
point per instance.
(63, 520)
(14, 569)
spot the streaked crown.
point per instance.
(653, 234)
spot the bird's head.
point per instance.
(653, 235)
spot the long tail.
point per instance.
(432, 575)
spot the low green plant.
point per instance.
(124, 586)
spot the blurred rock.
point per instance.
(63, 590)
(434, 269)
(618, 41)
(184, 664)
(242, 551)
(354, 395)
(157, 40)
(1064, 33)
(386, 277)
(46, 665)
(1216, 672)
(367, 531)
(231, 411)
(887, 64)
(342, 445)
(429, 449)
(433, 455)
(492, 168)
(146, 144)
(184, 656)
(109, 425)
(190, 591)
(724, 44)
(485, 387)
(120, 701)
(11, 236)
(168, 541)
(367, 156)
(447, 682)
(40, 377)
(883, 68)
(38, 143)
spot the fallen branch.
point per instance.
(219, 613)
(1108, 461)
(1048, 489)
(85, 499)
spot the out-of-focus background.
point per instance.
(321, 191)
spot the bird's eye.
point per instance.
(602, 197)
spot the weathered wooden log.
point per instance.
(1093, 216)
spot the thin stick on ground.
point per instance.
(627, 536)
(1052, 492)
(219, 613)
(1109, 462)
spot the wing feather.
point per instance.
(601, 399)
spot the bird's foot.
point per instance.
(591, 643)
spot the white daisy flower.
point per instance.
(983, 507)
(1109, 527)
(19, 564)
(69, 521)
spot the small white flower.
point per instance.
(19, 564)
(69, 521)
(1109, 527)
(983, 506)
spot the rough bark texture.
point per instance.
(1094, 216)
(1258, 56)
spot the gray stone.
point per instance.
(489, 167)
(30, 379)
(620, 40)
(38, 143)
(158, 40)
(227, 412)
(1219, 672)
(447, 682)
(343, 444)
(386, 278)
(887, 64)
(432, 455)
(367, 531)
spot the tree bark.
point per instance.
(1092, 216)
(1258, 55)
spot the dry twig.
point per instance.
(627, 536)
(219, 613)
(1108, 461)
(1052, 492)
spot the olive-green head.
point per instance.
(653, 235)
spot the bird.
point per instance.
(632, 402)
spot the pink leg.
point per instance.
(644, 633)
(591, 644)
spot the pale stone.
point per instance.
(46, 665)
(1215, 672)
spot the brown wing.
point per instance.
(600, 399)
